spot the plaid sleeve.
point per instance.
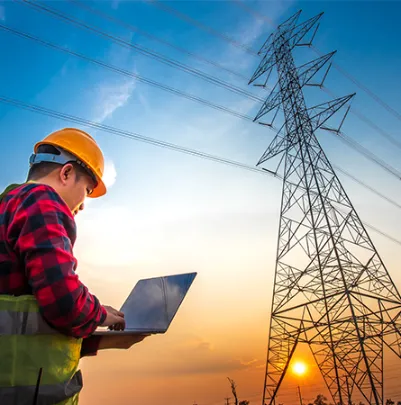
(46, 233)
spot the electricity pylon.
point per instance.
(331, 288)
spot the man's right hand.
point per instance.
(114, 320)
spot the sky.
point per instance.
(168, 212)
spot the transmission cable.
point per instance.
(126, 73)
(365, 119)
(194, 98)
(369, 92)
(367, 153)
(254, 13)
(155, 142)
(145, 51)
(353, 144)
(128, 134)
(363, 184)
(134, 28)
(364, 88)
(204, 27)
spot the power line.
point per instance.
(367, 153)
(202, 26)
(351, 143)
(155, 142)
(369, 92)
(255, 14)
(177, 92)
(126, 73)
(134, 28)
(361, 116)
(69, 20)
(191, 97)
(364, 88)
(186, 95)
(365, 119)
(130, 135)
(145, 51)
(360, 182)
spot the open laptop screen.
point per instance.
(153, 303)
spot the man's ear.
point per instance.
(66, 172)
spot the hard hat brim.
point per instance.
(99, 191)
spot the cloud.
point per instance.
(110, 173)
(115, 93)
(111, 97)
(248, 363)
(182, 357)
(200, 358)
(254, 28)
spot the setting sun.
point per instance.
(299, 368)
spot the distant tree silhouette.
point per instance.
(322, 400)
(234, 391)
(389, 401)
(399, 403)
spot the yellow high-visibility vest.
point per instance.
(27, 344)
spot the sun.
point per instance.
(299, 368)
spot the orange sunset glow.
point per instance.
(256, 143)
(299, 368)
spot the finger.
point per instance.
(120, 326)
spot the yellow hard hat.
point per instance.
(83, 147)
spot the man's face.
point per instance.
(75, 190)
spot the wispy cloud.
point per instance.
(249, 362)
(114, 94)
(256, 24)
(186, 358)
(111, 97)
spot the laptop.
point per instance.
(152, 304)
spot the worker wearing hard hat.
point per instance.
(47, 316)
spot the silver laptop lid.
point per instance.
(153, 303)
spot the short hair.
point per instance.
(40, 170)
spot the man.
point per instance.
(47, 316)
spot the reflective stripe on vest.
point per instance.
(28, 343)
(48, 394)
(23, 323)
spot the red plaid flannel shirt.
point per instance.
(37, 235)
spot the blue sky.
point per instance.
(168, 212)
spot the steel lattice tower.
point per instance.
(331, 287)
